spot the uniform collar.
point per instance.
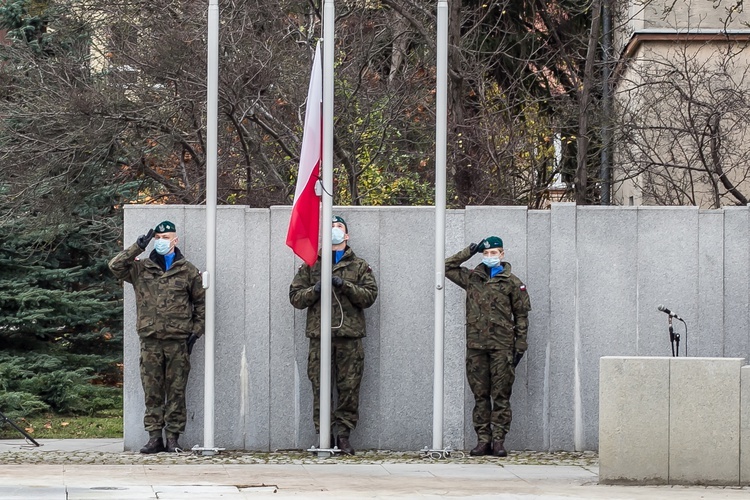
(159, 259)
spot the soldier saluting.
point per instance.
(170, 303)
(497, 309)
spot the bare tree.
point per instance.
(683, 135)
(129, 103)
(516, 80)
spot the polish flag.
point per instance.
(304, 225)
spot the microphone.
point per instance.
(671, 314)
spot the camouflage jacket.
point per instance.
(358, 293)
(171, 304)
(497, 309)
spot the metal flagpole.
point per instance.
(209, 277)
(325, 261)
(441, 120)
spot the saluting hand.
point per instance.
(144, 239)
(476, 247)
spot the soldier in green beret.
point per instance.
(497, 320)
(354, 290)
(170, 303)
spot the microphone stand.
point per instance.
(674, 339)
(4, 420)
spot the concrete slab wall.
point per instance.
(745, 426)
(634, 416)
(671, 420)
(704, 407)
(595, 276)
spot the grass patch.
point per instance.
(107, 424)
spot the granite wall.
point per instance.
(595, 275)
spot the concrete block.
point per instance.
(667, 258)
(192, 234)
(287, 356)
(607, 303)
(252, 357)
(407, 328)
(535, 422)
(745, 426)
(564, 414)
(454, 384)
(634, 420)
(706, 339)
(736, 282)
(704, 433)
(230, 302)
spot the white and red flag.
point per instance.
(304, 224)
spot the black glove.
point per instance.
(316, 288)
(191, 342)
(517, 358)
(476, 247)
(144, 239)
(337, 281)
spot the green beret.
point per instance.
(338, 218)
(165, 227)
(492, 242)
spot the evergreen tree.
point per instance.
(60, 307)
(61, 321)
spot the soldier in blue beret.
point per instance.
(497, 320)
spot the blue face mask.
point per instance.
(491, 261)
(337, 236)
(162, 246)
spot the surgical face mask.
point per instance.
(337, 236)
(162, 246)
(491, 261)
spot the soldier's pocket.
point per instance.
(144, 322)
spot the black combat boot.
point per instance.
(343, 443)
(481, 449)
(154, 445)
(498, 449)
(172, 445)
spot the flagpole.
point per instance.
(441, 120)
(209, 277)
(327, 215)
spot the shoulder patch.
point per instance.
(137, 259)
(523, 288)
(369, 269)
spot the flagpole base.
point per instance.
(206, 452)
(325, 452)
(443, 454)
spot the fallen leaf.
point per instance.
(30, 430)
(64, 424)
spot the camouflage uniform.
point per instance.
(170, 306)
(358, 292)
(496, 325)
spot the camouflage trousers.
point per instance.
(348, 362)
(165, 365)
(490, 374)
